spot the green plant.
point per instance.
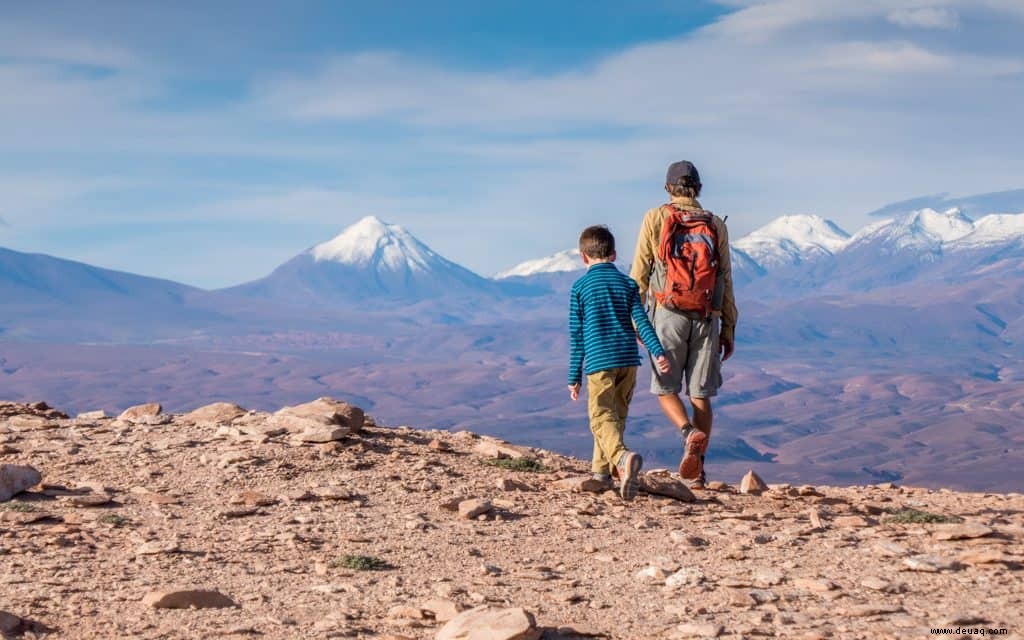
(908, 515)
(360, 563)
(22, 507)
(516, 464)
(114, 520)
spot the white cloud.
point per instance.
(926, 18)
(886, 57)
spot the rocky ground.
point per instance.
(315, 523)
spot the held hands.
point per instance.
(574, 391)
(663, 364)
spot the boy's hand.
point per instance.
(663, 364)
(574, 391)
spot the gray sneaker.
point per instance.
(629, 468)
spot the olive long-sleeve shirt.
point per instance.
(647, 252)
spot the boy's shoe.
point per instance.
(629, 468)
(695, 443)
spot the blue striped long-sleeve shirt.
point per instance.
(603, 307)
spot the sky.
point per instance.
(209, 142)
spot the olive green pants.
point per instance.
(609, 393)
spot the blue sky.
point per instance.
(208, 142)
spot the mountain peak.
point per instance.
(371, 241)
(793, 239)
(561, 262)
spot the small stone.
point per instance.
(687, 576)
(92, 415)
(890, 549)
(470, 509)
(490, 623)
(665, 484)
(983, 556)
(157, 547)
(439, 445)
(699, 630)
(961, 531)
(928, 564)
(814, 584)
(216, 413)
(878, 584)
(252, 499)
(187, 599)
(718, 485)
(752, 484)
(870, 610)
(332, 493)
(808, 490)
(141, 413)
(652, 575)
(442, 609)
(852, 522)
(493, 448)
(90, 500)
(16, 478)
(319, 434)
(581, 484)
(406, 612)
(508, 484)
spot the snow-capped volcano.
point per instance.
(792, 240)
(561, 262)
(369, 259)
(995, 229)
(925, 230)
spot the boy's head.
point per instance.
(682, 180)
(597, 244)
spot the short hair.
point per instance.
(686, 188)
(597, 242)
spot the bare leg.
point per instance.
(674, 409)
(702, 414)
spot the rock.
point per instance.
(157, 547)
(870, 610)
(983, 556)
(141, 413)
(216, 413)
(853, 522)
(687, 576)
(252, 499)
(187, 599)
(652, 575)
(332, 493)
(439, 445)
(928, 564)
(442, 609)
(581, 484)
(90, 500)
(16, 478)
(406, 612)
(961, 531)
(508, 484)
(808, 491)
(314, 433)
(699, 630)
(490, 623)
(470, 509)
(92, 415)
(326, 412)
(494, 448)
(752, 484)
(665, 484)
(718, 485)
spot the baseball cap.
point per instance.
(682, 171)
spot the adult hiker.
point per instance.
(683, 269)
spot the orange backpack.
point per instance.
(689, 251)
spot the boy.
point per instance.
(603, 306)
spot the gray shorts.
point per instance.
(691, 346)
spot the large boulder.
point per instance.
(322, 412)
(490, 623)
(16, 478)
(216, 413)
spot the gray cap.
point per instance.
(682, 171)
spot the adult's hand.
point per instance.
(726, 346)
